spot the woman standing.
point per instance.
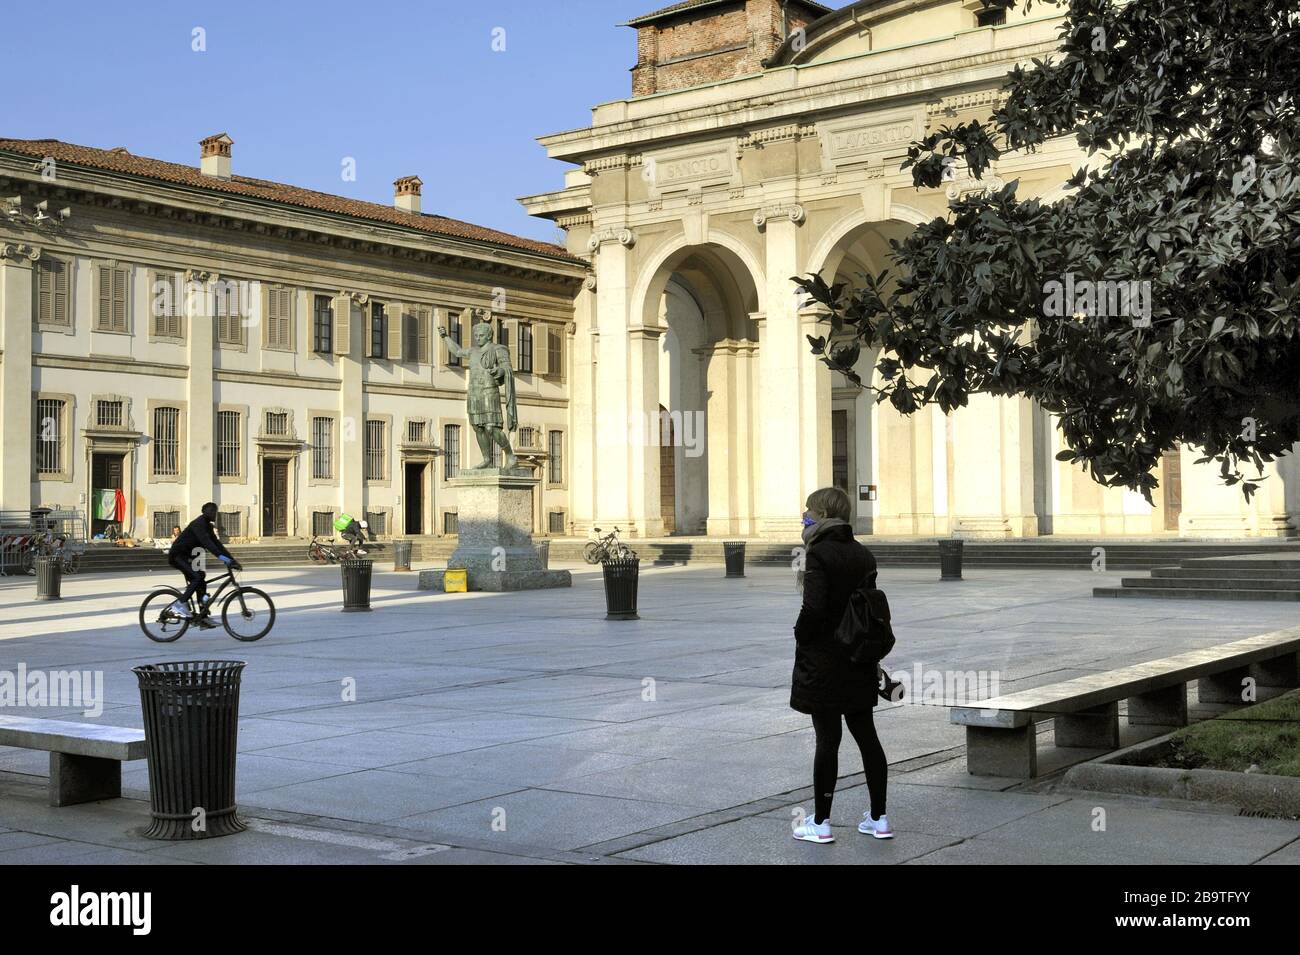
(825, 683)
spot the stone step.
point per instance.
(1210, 583)
(1168, 593)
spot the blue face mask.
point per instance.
(809, 521)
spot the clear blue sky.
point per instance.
(404, 87)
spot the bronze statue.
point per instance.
(489, 372)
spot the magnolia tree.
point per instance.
(1158, 302)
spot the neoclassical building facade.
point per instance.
(173, 334)
(762, 141)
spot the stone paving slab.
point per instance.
(470, 703)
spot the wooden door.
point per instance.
(275, 498)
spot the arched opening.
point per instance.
(883, 489)
(702, 298)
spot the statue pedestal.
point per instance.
(494, 519)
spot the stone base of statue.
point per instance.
(494, 519)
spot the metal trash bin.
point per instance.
(544, 553)
(356, 583)
(734, 554)
(401, 555)
(950, 559)
(49, 578)
(191, 727)
(620, 587)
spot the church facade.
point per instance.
(762, 140)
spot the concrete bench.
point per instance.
(1001, 739)
(85, 758)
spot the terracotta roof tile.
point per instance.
(120, 161)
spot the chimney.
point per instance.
(214, 155)
(406, 193)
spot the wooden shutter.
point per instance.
(423, 321)
(396, 316)
(512, 334)
(104, 306)
(120, 299)
(45, 293)
(443, 317)
(277, 308)
(541, 353)
(342, 331)
(62, 307)
(555, 359)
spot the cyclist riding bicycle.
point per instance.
(186, 555)
(352, 531)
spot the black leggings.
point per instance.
(826, 762)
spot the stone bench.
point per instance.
(85, 758)
(1001, 739)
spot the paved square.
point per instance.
(526, 728)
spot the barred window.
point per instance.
(228, 311)
(108, 414)
(449, 525)
(49, 435)
(555, 466)
(555, 522)
(494, 455)
(322, 523)
(228, 524)
(322, 449)
(164, 521)
(277, 423)
(378, 521)
(228, 444)
(323, 326)
(52, 292)
(416, 431)
(450, 451)
(525, 348)
(527, 437)
(376, 450)
(166, 443)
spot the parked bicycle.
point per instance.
(606, 548)
(246, 612)
(328, 552)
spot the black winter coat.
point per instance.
(824, 679)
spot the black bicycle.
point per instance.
(246, 612)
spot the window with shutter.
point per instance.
(555, 352)
(424, 321)
(279, 324)
(396, 312)
(52, 298)
(455, 331)
(555, 463)
(228, 312)
(112, 311)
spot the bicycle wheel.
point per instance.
(157, 619)
(248, 614)
(317, 555)
(592, 552)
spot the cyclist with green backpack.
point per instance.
(352, 531)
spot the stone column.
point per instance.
(993, 492)
(643, 431)
(783, 372)
(16, 414)
(613, 399)
(582, 420)
(200, 393)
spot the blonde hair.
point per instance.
(831, 502)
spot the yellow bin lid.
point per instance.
(455, 581)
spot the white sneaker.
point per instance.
(810, 831)
(180, 610)
(876, 827)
